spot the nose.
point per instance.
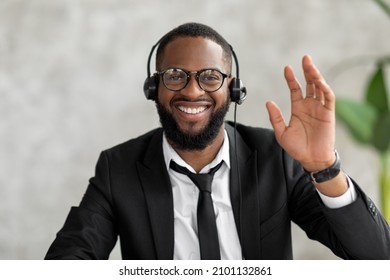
(192, 90)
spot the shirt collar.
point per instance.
(170, 154)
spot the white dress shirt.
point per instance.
(185, 201)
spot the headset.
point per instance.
(236, 87)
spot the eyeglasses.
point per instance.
(176, 79)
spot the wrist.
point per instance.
(326, 173)
(314, 166)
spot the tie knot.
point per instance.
(201, 180)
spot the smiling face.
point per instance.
(191, 117)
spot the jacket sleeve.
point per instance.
(89, 231)
(361, 229)
(355, 231)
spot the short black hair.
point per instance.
(193, 29)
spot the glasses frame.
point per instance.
(197, 75)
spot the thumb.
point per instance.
(276, 118)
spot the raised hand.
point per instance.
(309, 136)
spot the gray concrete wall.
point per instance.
(71, 76)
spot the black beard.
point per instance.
(187, 141)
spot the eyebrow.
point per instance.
(202, 69)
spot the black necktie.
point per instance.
(207, 228)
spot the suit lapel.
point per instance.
(156, 184)
(244, 195)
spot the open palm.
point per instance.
(309, 136)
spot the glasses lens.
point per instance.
(175, 79)
(210, 79)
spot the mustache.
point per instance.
(186, 99)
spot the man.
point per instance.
(264, 179)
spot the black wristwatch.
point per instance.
(326, 174)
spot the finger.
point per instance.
(319, 95)
(312, 77)
(328, 99)
(293, 84)
(310, 86)
(322, 90)
(310, 89)
(276, 118)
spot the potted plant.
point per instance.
(369, 121)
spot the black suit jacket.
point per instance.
(130, 196)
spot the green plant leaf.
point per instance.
(381, 134)
(376, 93)
(359, 118)
(384, 6)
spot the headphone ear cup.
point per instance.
(151, 87)
(237, 91)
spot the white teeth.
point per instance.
(192, 110)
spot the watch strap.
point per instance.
(326, 174)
